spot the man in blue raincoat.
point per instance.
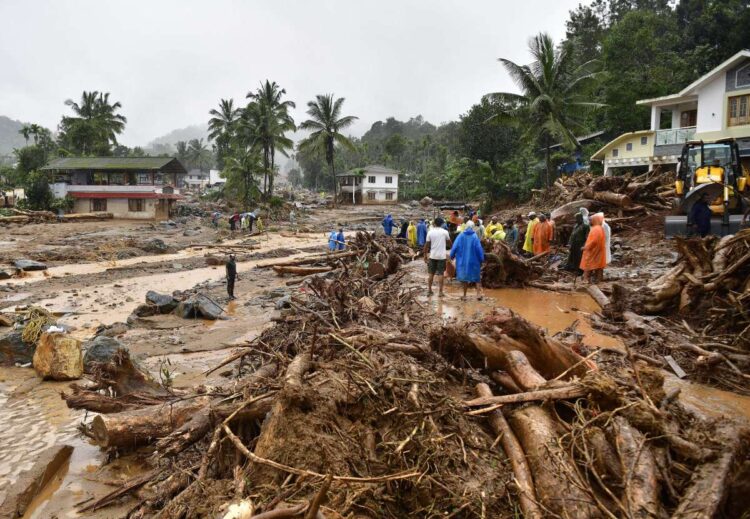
(469, 256)
(421, 233)
(388, 225)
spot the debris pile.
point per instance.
(359, 403)
(22, 216)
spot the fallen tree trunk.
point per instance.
(524, 481)
(598, 296)
(521, 371)
(133, 428)
(300, 271)
(73, 217)
(639, 471)
(557, 484)
(609, 197)
(308, 260)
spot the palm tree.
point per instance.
(96, 125)
(266, 121)
(221, 127)
(325, 123)
(197, 154)
(242, 167)
(550, 104)
(181, 152)
(25, 131)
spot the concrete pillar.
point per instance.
(655, 117)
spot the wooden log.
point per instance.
(77, 217)
(639, 471)
(506, 381)
(566, 212)
(330, 257)
(523, 374)
(558, 488)
(608, 197)
(605, 460)
(557, 393)
(300, 271)
(598, 296)
(521, 471)
(133, 428)
(14, 219)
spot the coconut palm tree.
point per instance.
(95, 126)
(266, 121)
(240, 170)
(197, 154)
(550, 105)
(325, 123)
(222, 126)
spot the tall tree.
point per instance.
(198, 154)
(95, 126)
(240, 170)
(550, 106)
(325, 123)
(265, 121)
(222, 126)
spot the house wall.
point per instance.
(639, 150)
(118, 207)
(711, 106)
(379, 181)
(379, 196)
(738, 78)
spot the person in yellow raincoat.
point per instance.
(411, 234)
(528, 243)
(492, 227)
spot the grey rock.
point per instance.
(164, 303)
(284, 302)
(144, 310)
(199, 306)
(13, 350)
(27, 264)
(190, 232)
(99, 349)
(156, 246)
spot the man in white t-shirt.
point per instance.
(435, 254)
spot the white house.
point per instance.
(715, 106)
(196, 179)
(372, 184)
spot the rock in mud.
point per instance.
(99, 349)
(164, 303)
(214, 261)
(199, 306)
(155, 246)
(190, 232)
(144, 310)
(284, 302)
(13, 350)
(27, 264)
(426, 201)
(6, 320)
(4, 274)
(58, 357)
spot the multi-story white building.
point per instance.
(715, 106)
(372, 184)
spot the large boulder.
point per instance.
(164, 303)
(58, 357)
(155, 246)
(13, 350)
(27, 264)
(199, 306)
(100, 349)
(426, 201)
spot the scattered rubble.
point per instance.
(29, 265)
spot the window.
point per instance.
(144, 178)
(99, 204)
(389, 196)
(371, 195)
(688, 118)
(615, 152)
(136, 205)
(629, 146)
(739, 113)
(644, 141)
(389, 180)
(117, 179)
(371, 179)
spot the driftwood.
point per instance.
(323, 258)
(523, 478)
(639, 471)
(300, 271)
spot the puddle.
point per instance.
(714, 403)
(554, 311)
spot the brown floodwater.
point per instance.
(554, 311)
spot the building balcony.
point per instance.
(674, 136)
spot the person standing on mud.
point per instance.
(528, 243)
(542, 236)
(594, 257)
(435, 254)
(469, 255)
(700, 217)
(575, 244)
(231, 276)
(387, 225)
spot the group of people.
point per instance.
(590, 246)
(240, 221)
(336, 240)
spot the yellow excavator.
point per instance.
(714, 169)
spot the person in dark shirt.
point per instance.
(231, 276)
(700, 216)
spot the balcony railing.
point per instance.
(674, 136)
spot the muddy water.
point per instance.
(267, 243)
(709, 401)
(554, 311)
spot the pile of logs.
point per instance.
(502, 267)
(23, 216)
(359, 403)
(621, 198)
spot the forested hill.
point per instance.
(9, 136)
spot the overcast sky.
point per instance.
(169, 62)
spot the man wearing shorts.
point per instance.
(435, 254)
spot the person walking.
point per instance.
(528, 243)
(421, 233)
(435, 254)
(340, 239)
(577, 240)
(387, 225)
(542, 237)
(233, 221)
(469, 255)
(411, 234)
(594, 257)
(401, 237)
(332, 240)
(231, 276)
(699, 219)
